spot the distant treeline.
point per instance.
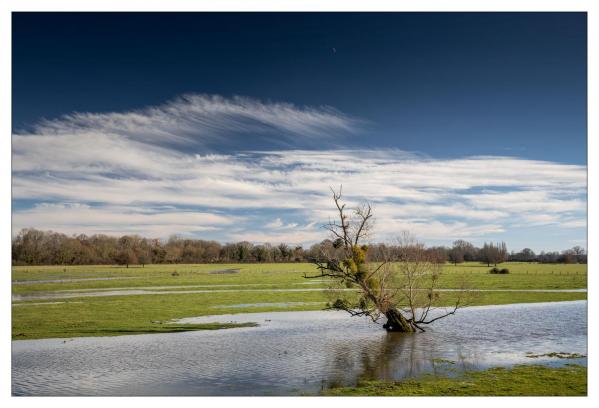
(35, 247)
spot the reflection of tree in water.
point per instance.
(394, 356)
(399, 355)
(388, 356)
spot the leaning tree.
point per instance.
(401, 287)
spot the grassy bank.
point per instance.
(524, 380)
(113, 315)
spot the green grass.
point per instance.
(523, 380)
(114, 315)
(122, 329)
(279, 275)
(521, 276)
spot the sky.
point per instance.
(233, 126)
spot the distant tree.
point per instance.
(527, 255)
(243, 251)
(260, 253)
(35, 247)
(467, 249)
(456, 255)
(580, 254)
(284, 251)
(125, 253)
(549, 257)
(568, 256)
(438, 254)
(212, 252)
(298, 254)
(125, 256)
(144, 256)
(493, 254)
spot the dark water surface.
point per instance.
(292, 353)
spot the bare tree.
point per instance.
(403, 287)
(493, 254)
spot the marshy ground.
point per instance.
(101, 300)
(76, 307)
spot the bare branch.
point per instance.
(402, 287)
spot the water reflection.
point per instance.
(292, 353)
(393, 356)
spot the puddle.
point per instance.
(41, 303)
(224, 271)
(272, 304)
(33, 282)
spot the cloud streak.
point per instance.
(142, 172)
(205, 120)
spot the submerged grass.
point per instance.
(556, 355)
(522, 380)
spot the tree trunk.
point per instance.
(397, 323)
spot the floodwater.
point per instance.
(266, 304)
(134, 292)
(168, 290)
(69, 280)
(293, 353)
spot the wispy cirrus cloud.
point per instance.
(206, 121)
(147, 172)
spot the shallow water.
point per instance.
(294, 352)
(266, 304)
(41, 303)
(134, 292)
(213, 285)
(70, 280)
(168, 290)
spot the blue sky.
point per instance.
(232, 126)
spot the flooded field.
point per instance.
(293, 353)
(170, 290)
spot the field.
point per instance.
(45, 308)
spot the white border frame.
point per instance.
(8, 6)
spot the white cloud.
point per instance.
(76, 218)
(201, 119)
(112, 168)
(277, 223)
(294, 235)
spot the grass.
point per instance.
(150, 328)
(522, 380)
(521, 276)
(102, 315)
(114, 315)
